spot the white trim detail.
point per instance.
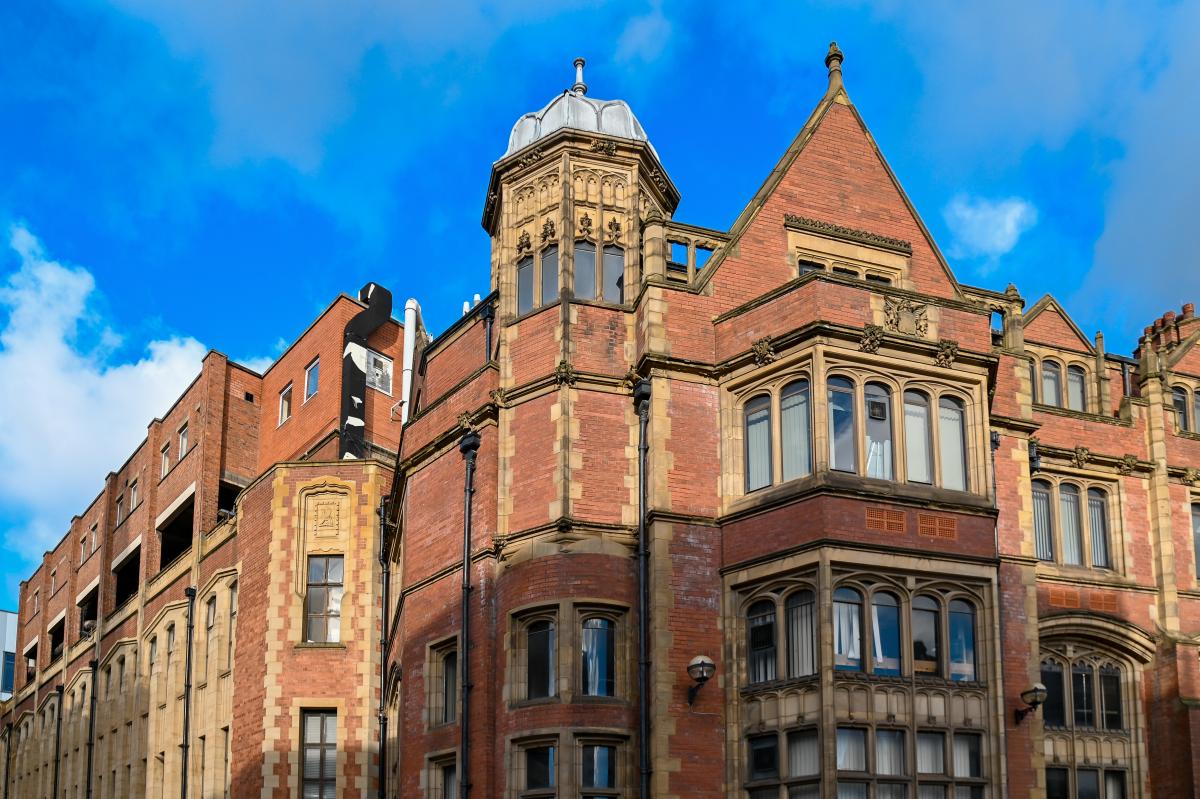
(30, 645)
(62, 614)
(125, 553)
(94, 583)
(174, 506)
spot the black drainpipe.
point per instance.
(58, 689)
(488, 314)
(468, 446)
(641, 400)
(93, 664)
(383, 647)
(190, 593)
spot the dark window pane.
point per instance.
(599, 767)
(1110, 690)
(585, 270)
(525, 285)
(1114, 785)
(1087, 784)
(847, 630)
(886, 645)
(841, 425)
(449, 687)
(758, 443)
(761, 623)
(764, 757)
(316, 570)
(614, 273)
(925, 635)
(549, 275)
(962, 640)
(1054, 713)
(541, 659)
(878, 415)
(1043, 521)
(539, 767)
(1058, 783)
(598, 657)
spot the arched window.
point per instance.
(540, 676)
(795, 420)
(962, 640)
(925, 634)
(1179, 398)
(1043, 524)
(550, 274)
(761, 625)
(885, 623)
(585, 270)
(1196, 408)
(1076, 388)
(800, 611)
(758, 443)
(598, 641)
(1033, 381)
(1196, 536)
(525, 285)
(918, 438)
(847, 630)
(1098, 527)
(878, 414)
(1071, 524)
(1051, 384)
(841, 425)
(613, 283)
(952, 443)
(1095, 700)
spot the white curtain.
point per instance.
(889, 752)
(1042, 534)
(795, 415)
(851, 749)
(1114, 785)
(931, 758)
(951, 445)
(916, 438)
(967, 756)
(846, 632)
(1098, 524)
(1072, 543)
(1075, 392)
(804, 756)
(801, 635)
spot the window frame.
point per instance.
(328, 586)
(1181, 401)
(285, 403)
(327, 785)
(438, 690)
(1085, 488)
(313, 368)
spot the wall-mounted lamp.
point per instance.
(1033, 697)
(701, 669)
(1035, 459)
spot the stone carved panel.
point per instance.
(902, 315)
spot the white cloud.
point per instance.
(987, 228)
(71, 412)
(644, 39)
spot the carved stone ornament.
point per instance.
(564, 374)
(1191, 476)
(1128, 464)
(631, 377)
(614, 228)
(523, 242)
(547, 230)
(585, 224)
(764, 352)
(659, 179)
(491, 200)
(847, 233)
(497, 395)
(1080, 457)
(872, 337)
(947, 352)
(609, 148)
(902, 315)
(464, 420)
(532, 158)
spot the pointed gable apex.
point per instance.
(1048, 323)
(834, 173)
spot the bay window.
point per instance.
(878, 419)
(598, 657)
(918, 437)
(841, 425)
(847, 629)
(761, 620)
(758, 443)
(885, 619)
(800, 613)
(794, 416)
(540, 680)
(952, 440)
(925, 634)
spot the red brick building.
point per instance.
(783, 510)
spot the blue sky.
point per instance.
(178, 177)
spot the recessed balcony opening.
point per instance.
(175, 534)
(128, 577)
(226, 496)
(89, 608)
(58, 636)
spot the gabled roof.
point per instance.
(1049, 319)
(835, 101)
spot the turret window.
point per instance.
(525, 285)
(613, 279)
(585, 270)
(550, 274)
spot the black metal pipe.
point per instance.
(8, 734)
(488, 314)
(383, 647)
(641, 400)
(190, 593)
(469, 447)
(58, 689)
(93, 664)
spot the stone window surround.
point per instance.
(1113, 512)
(1065, 359)
(434, 764)
(568, 746)
(435, 655)
(568, 659)
(805, 367)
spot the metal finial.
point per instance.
(833, 60)
(580, 87)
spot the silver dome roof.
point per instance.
(575, 110)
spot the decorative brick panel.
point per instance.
(886, 520)
(933, 526)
